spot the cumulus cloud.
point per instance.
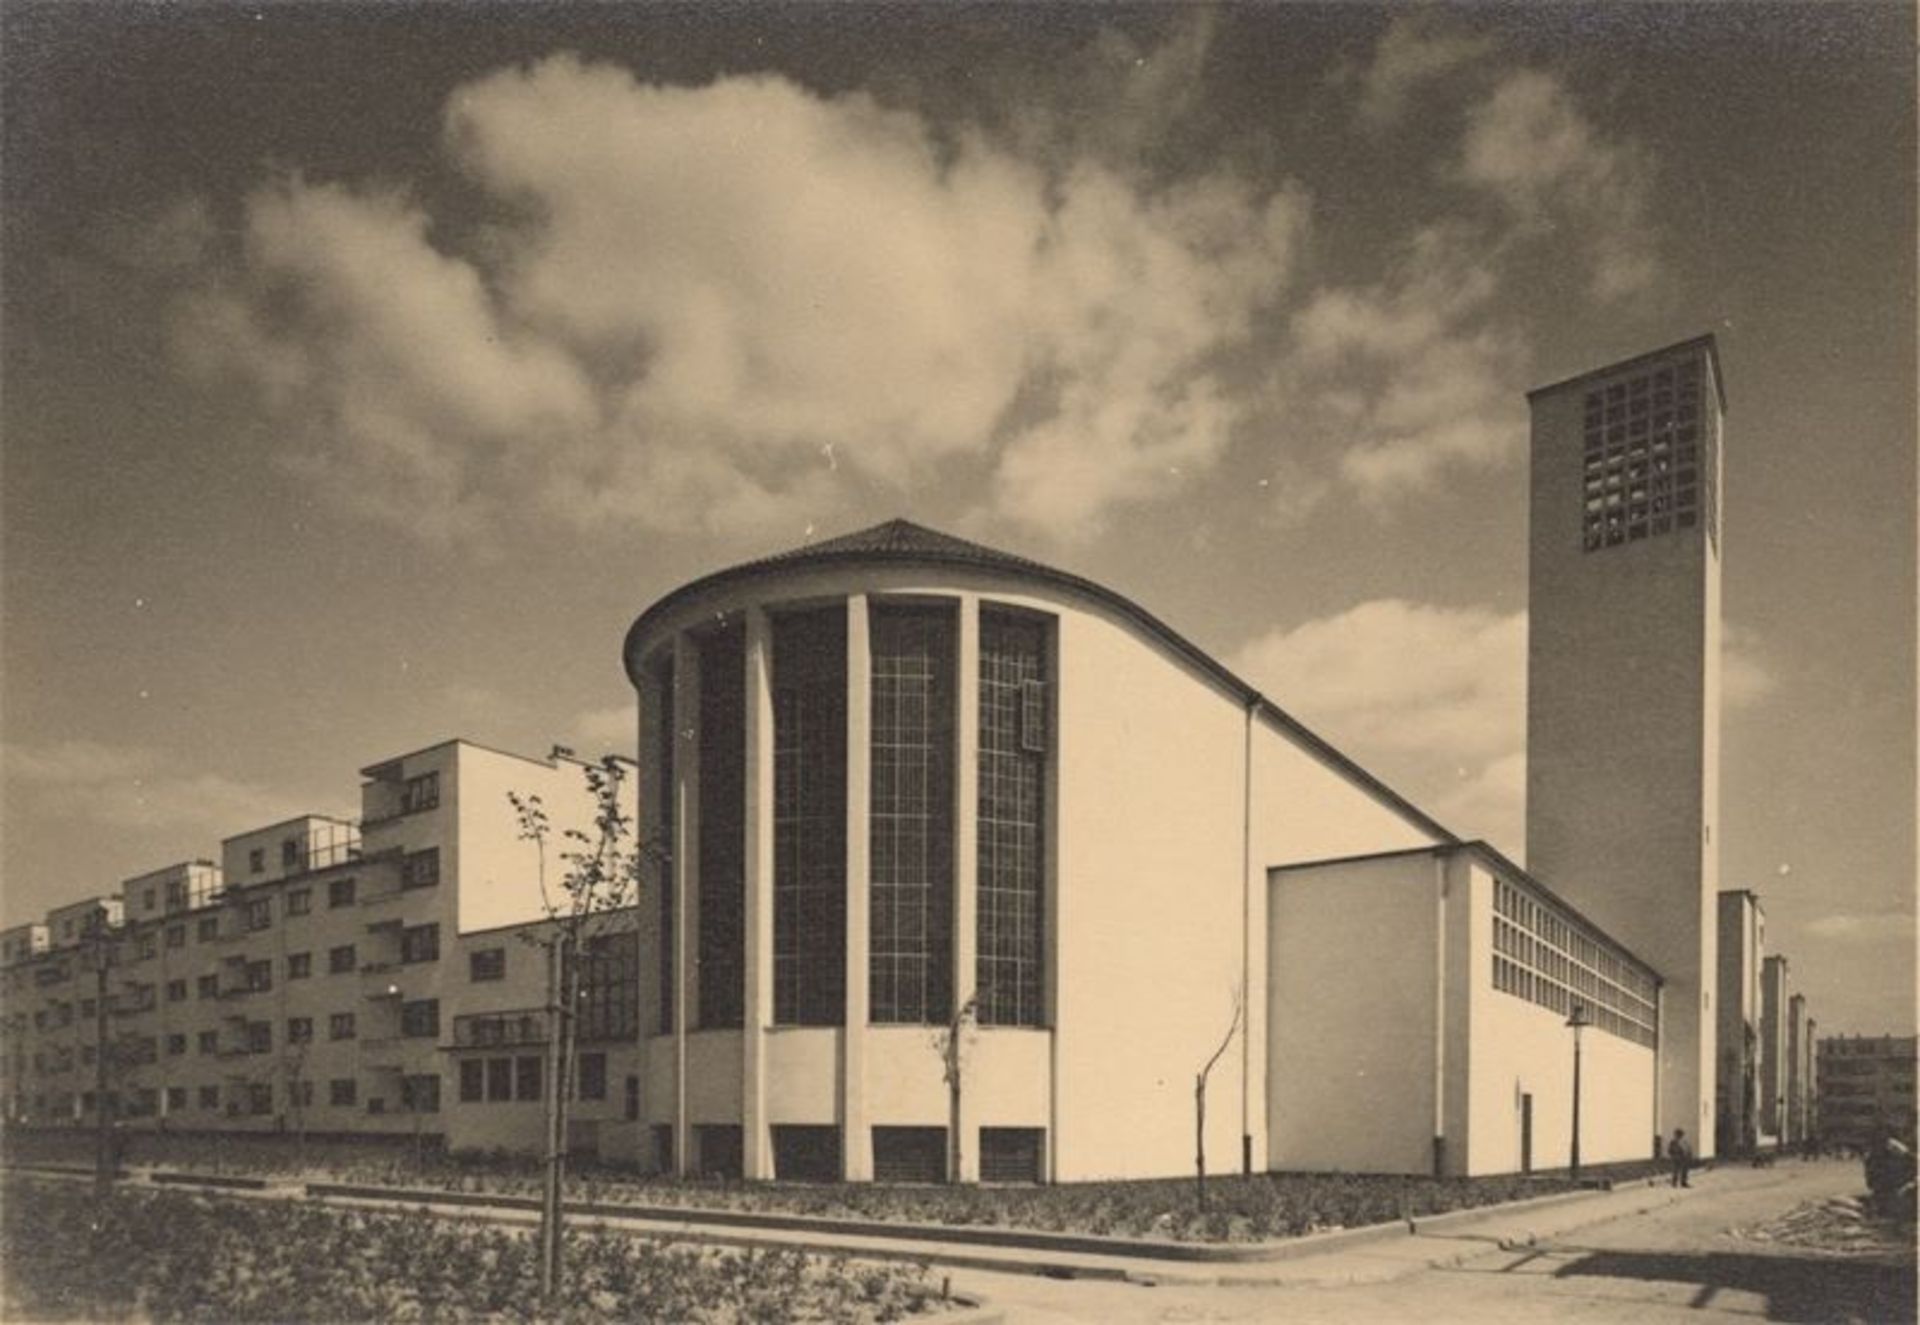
(1417, 48)
(1433, 698)
(127, 787)
(716, 306)
(1413, 375)
(1529, 144)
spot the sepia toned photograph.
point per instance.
(838, 660)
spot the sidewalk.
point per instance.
(1373, 1254)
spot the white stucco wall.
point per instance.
(1352, 1006)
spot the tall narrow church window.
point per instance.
(719, 954)
(910, 938)
(1012, 820)
(810, 817)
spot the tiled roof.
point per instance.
(902, 539)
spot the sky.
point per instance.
(368, 368)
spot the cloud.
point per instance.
(718, 306)
(1529, 144)
(1416, 49)
(1411, 377)
(1864, 927)
(125, 787)
(1433, 698)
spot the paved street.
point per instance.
(1708, 1257)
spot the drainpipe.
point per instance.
(1247, 993)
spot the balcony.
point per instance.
(492, 1030)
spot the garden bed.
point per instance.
(66, 1254)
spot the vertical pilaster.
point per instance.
(966, 857)
(686, 877)
(755, 1155)
(856, 1152)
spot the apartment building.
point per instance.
(1865, 1087)
(326, 976)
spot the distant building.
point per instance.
(1775, 1024)
(1798, 1071)
(1866, 1089)
(1742, 944)
(1623, 680)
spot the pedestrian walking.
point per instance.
(1680, 1155)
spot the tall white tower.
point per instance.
(1623, 681)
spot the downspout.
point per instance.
(1247, 993)
(1439, 1014)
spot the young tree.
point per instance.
(1200, 1101)
(950, 1042)
(597, 888)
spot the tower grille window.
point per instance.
(1649, 456)
(810, 818)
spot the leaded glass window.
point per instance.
(810, 817)
(1012, 820)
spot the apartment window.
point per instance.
(592, 1078)
(299, 901)
(146, 900)
(343, 1092)
(420, 793)
(420, 1093)
(176, 1098)
(259, 913)
(259, 976)
(290, 853)
(340, 1026)
(259, 1098)
(299, 965)
(207, 929)
(487, 964)
(299, 1030)
(340, 892)
(144, 947)
(526, 1078)
(633, 1099)
(209, 1097)
(810, 817)
(420, 943)
(176, 1044)
(473, 1081)
(340, 960)
(257, 860)
(207, 986)
(421, 869)
(499, 1079)
(176, 936)
(1012, 816)
(910, 940)
(420, 1018)
(259, 1037)
(176, 991)
(208, 1042)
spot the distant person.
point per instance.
(1680, 1156)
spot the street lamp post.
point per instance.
(1577, 1023)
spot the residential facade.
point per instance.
(1865, 1086)
(1742, 952)
(314, 981)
